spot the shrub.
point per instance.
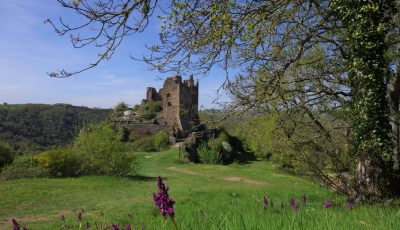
(222, 145)
(24, 167)
(208, 155)
(6, 154)
(120, 107)
(145, 144)
(101, 152)
(60, 162)
(161, 140)
(148, 110)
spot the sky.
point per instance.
(29, 49)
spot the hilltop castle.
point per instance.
(180, 101)
(179, 114)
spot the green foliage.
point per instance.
(120, 107)
(36, 127)
(228, 204)
(6, 154)
(161, 140)
(60, 162)
(145, 144)
(153, 143)
(148, 110)
(261, 135)
(222, 145)
(98, 150)
(369, 71)
(24, 167)
(101, 152)
(208, 155)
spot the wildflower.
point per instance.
(282, 205)
(115, 227)
(304, 198)
(142, 226)
(164, 203)
(271, 204)
(87, 226)
(62, 217)
(15, 224)
(349, 204)
(328, 204)
(79, 217)
(130, 216)
(296, 207)
(265, 201)
(128, 227)
(24, 228)
(292, 203)
(162, 200)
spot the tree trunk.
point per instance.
(372, 180)
(394, 102)
(368, 73)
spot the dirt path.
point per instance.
(227, 178)
(5, 222)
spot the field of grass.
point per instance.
(207, 197)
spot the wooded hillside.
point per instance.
(32, 127)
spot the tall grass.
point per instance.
(204, 200)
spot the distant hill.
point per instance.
(34, 127)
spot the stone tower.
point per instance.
(180, 104)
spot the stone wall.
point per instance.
(142, 129)
(180, 108)
(152, 95)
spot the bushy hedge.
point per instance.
(24, 167)
(153, 143)
(60, 162)
(222, 145)
(98, 150)
(161, 140)
(208, 155)
(101, 152)
(6, 154)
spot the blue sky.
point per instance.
(29, 49)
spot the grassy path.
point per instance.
(207, 197)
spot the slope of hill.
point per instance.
(33, 127)
(207, 197)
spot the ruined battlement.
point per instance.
(180, 101)
(179, 115)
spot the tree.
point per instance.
(120, 107)
(327, 59)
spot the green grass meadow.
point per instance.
(207, 197)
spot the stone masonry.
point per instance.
(179, 115)
(180, 104)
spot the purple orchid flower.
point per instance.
(328, 204)
(15, 224)
(164, 203)
(304, 198)
(265, 202)
(350, 205)
(296, 207)
(79, 217)
(292, 202)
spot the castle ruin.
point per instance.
(179, 114)
(179, 102)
